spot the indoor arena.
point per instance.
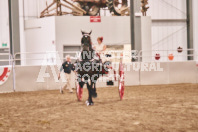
(98, 65)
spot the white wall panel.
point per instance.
(195, 26)
(4, 22)
(155, 77)
(40, 33)
(169, 36)
(131, 76)
(167, 9)
(169, 29)
(115, 30)
(26, 78)
(40, 37)
(182, 72)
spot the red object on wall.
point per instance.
(157, 56)
(170, 57)
(4, 74)
(179, 49)
(95, 19)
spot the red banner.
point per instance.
(95, 19)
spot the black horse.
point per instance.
(88, 68)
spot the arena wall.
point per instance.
(183, 72)
(26, 79)
(131, 76)
(155, 77)
(29, 78)
(173, 73)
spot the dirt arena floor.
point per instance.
(171, 108)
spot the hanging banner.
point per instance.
(95, 19)
(4, 74)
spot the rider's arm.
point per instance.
(94, 47)
(104, 47)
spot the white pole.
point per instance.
(38, 8)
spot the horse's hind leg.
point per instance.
(93, 86)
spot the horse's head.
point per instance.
(86, 41)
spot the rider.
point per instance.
(100, 47)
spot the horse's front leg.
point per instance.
(89, 101)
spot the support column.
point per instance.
(189, 27)
(195, 27)
(132, 12)
(14, 27)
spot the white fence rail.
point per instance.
(167, 55)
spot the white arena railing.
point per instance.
(9, 60)
(150, 55)
(54, 57)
